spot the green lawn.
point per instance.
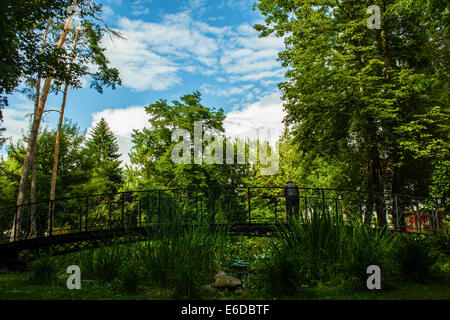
(17, 286)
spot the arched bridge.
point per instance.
(72, 224)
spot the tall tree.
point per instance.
(19, 47)
(151, 163)
(59, 73)
(356, 93)
(103, 151)
(75, 171)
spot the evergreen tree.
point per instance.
(103, 151)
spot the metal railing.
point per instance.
(225, 205)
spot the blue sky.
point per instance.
(173, 48)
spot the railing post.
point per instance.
(360, 206)
(437, 218)
(397, 221)
(123, 209)
(159, 205)
(81, 220)
(110, 214)
(249, 206)
(276, 215)
(213, 213)
(306, 207)
(52, 209)
(140, 213)
(15, 223)
(323, 201)
(86, 214)
(336, 202)
(196, 204)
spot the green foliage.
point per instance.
(321, 250)
(42, 270)
(414, 260)
(151, 153)
(103, 152)
(130, 276)
(366, 247)
(183, 258)
(104, 263)
(20, 52)
(371, 103)
(285, 273)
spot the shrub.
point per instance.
(42, 270)
(364, 247)
(104, 263)
(413, 259)
(129, 276)
(183, 258)
(284, 273)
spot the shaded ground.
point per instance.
(17, 286)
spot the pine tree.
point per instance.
(103, 151)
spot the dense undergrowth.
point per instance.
(309, 254)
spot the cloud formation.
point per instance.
(122, 122)
(259, 119)
(154, 54)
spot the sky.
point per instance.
(172, 48)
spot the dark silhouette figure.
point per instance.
(292, 198)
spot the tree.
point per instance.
(355, 94)
(19, 50)
(88, 37)
(151, 164)
(103, 151)
(61, 74)
(2, 139)
(74, 172)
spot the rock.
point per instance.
(239, 292)
(222, 280)
(209, 290)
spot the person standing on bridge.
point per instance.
(292, 198)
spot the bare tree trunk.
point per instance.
(33, 226)
(17, 223)
(55, 159)
(58, 138)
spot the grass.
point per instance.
(15, 286)
(320, 259)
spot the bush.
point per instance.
(284, 273)
(104, 263)
(441, 242)
(413, 259)
(324, 249)
(183, 258)
(364, 247)
(42, 270)
(129, 277)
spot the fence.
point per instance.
(253, 205)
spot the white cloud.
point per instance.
(153, 54)
(257, 119)
(252, 121)
(225, 92)
(16, 121)
(116, 2)
(122, 122)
